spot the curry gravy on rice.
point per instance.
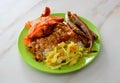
(60, 33)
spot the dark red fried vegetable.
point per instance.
(82, 35)
(79, 27)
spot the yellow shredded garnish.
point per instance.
(64, 54)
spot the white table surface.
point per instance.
(105, 14)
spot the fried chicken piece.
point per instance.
(46, 12)
(42, 26)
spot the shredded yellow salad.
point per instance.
(64, 54)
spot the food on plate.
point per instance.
(57, 42)
(64, 54)
(78, 26)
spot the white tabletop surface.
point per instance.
(105, 14)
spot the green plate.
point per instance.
(28, 57)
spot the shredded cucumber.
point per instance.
(64, 54)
